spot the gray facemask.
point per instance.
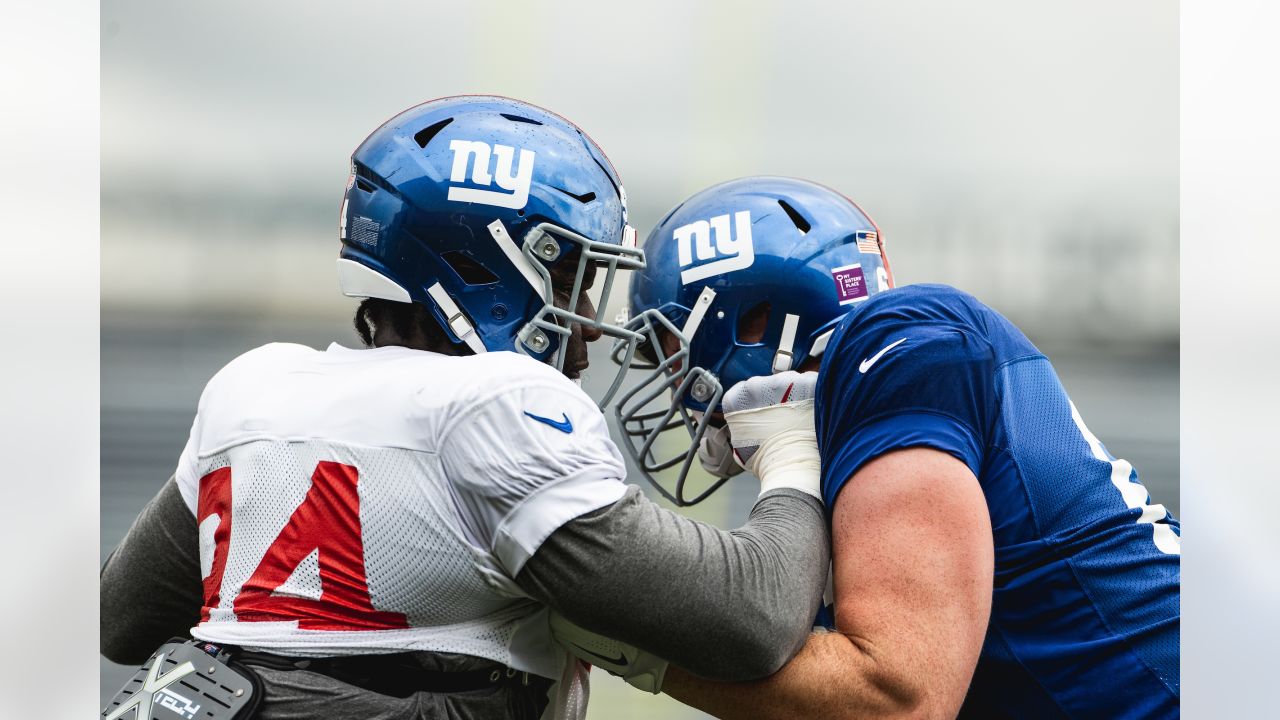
(541, 245)
(659, 433)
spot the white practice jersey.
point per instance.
(370, 501)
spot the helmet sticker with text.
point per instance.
(851, 284)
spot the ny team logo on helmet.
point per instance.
(466, 205)
(732, 250)
(746, 278)
(474, 154)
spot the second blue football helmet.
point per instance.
(466, 205)
(745, 278)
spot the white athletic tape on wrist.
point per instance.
(789, 460)
(786, 446)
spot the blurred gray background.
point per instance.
(1024, 152)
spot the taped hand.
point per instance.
(770, 420)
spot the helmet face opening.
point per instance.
(746, 278)
(588, 259)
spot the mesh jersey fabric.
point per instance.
(1085, 610)
(455, 485)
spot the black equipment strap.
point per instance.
(397, 675)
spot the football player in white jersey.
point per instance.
(386, 532)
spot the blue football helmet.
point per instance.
(466, 204)
(746, 278)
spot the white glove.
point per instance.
(640, 669)
(770, 421)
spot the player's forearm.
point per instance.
(830, 678)
(727, 605)
(150, 588)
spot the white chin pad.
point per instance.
(715, 452)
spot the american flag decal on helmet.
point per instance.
(868, 242)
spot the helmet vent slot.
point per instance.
(517, 118)
(801, 224)
(367, 180)
(752, 323)
(471, 272)
(584, 199)
(423, 136)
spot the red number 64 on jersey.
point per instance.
(327, 525)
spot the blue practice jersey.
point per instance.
(1084, 617)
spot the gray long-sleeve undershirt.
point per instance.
(150, 587)
(728, 606)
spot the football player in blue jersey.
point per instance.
(990, 557)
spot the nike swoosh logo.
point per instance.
(866, 364)
(620, 660)
(563, 426)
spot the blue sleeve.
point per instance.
(888, 384)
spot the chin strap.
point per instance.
(508, 246)
(458, 323)
(699, 311)
(785, 358)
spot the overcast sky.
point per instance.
(986, 138)
(1040, 100)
